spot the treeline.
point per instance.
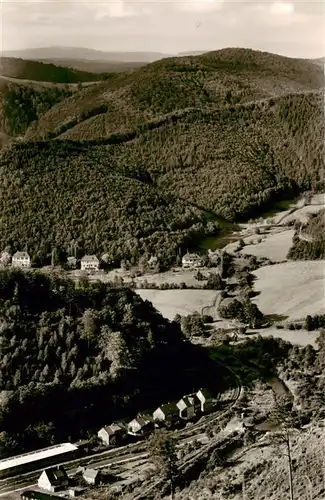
(305, 366)
(309, 239)
(73, 359)
(314, 322)
(46, 72)
(24, 104)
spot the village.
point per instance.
(91, 263)
(54, 482)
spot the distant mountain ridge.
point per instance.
(85, 53)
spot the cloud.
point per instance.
(111, 8)
(198, 5)
(281, 8)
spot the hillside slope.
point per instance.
(215, 79)
(24, 102)
(137, 162)
(107, 194)
(45, 72)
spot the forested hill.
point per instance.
(138, 155)
(74, 359)
(212, 80)
(25, 102)
(45, 72)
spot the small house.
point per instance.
(21, 259)
(91, 476)
(206, 400)
(189, 406)
(140, 425)
(89, 263)
(168, 412)
(112, 434)
(71, 262)
(191, 260)
(53, 479)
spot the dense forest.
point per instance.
(74, 358)
(213, 80)
(140, 164)
(45, 72)
(24, 104)
(309, 239)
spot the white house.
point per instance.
(112, 434)
(168, 412)
(89, 263)
(140, 425)
(191, 260)
(53, 479)
(189, 406)
(21, 259)
(206, 400)
(91, 476)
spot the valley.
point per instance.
(193, 187)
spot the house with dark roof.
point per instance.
(205, 398)
(192, 260)
(91, 476)
(168, 412)
(38, 495)
(112, 434)
(140, 425)
(53, 479)
(189, 406)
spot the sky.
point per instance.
(292, 28)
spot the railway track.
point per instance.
(129, 452)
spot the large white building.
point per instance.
(192, 260)
(89, 263)
(37, 459)
(21, 259)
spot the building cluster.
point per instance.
(22, 260)
(55, 479)
(187, 408)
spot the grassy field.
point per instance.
(292, 289)
(183, 302)
(273, 246)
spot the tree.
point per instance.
(252, 315)
(289, 420)
(162, 449)
(309, 324)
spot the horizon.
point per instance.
(288, 28)
(117, 51)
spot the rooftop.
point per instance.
(89, 258)
(21, 255)
(33, 456)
